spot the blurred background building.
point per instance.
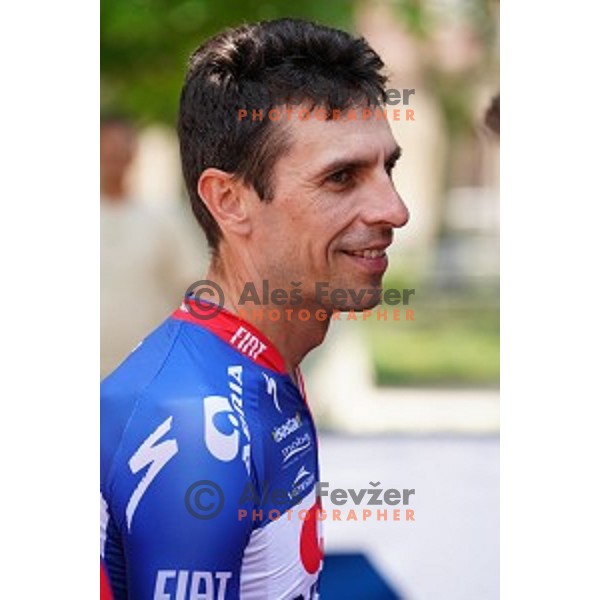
(414, 404)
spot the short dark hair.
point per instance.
(264, 65)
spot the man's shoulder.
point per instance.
(173, 371)
(142, 365)
(186, 385)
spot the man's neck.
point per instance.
(281, 324)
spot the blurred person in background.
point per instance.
(118, 144)
(146, 261)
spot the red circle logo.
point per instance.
(311, 551)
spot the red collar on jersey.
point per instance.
(237, 332)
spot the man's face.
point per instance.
(333, 211)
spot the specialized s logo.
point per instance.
(272, 390)
(224, 419)
(153, 455)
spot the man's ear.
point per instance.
(227, 200)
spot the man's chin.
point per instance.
(360, 306)
(355, 309)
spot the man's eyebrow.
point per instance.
(357, 163)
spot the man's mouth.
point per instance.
(372, 260)
(368, 253)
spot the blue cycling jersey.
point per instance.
(208, 468)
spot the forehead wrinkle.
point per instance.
(363, 158)
(314, 142)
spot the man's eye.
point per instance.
(389, 169)
(340, 177)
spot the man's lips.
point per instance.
(370, 250)
(369, 253)
(372, 259)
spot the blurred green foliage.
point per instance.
(454, 339)
(449, 348)
(145, 44)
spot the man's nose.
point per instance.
(386, 206)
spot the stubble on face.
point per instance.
(321, 220)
